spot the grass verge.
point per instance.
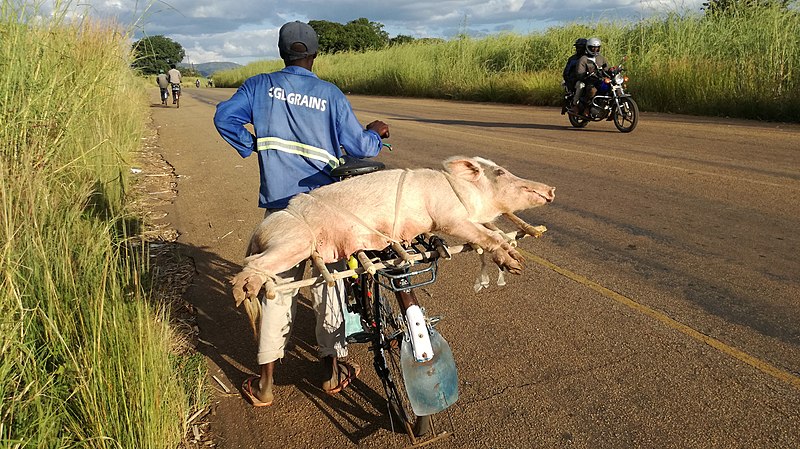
(86, 358)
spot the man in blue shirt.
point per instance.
(302, 125)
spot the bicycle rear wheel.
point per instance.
(387, 363)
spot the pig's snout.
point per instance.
(547, 193)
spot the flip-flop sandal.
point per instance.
(353, 371)
(247, 390)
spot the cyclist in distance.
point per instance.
(301, 124)
(163, 83)
(174, 76)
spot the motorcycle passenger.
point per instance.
(570, 74)
(588, 74)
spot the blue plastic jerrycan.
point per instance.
(432, 386)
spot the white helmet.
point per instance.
(593, 46)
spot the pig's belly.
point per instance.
(336, 246)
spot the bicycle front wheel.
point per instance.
(388, 366)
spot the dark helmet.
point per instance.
(580, 42)
(593, 46)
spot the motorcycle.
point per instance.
(609, 103)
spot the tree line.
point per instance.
(157, 53)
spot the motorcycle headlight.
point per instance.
(619, 79)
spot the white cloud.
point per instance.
(246, 30)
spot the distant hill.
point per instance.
(209, 68)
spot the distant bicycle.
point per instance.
(176, 94)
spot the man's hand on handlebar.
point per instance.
(379, 127)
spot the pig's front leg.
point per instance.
(503, 254)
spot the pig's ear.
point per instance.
(464, 168)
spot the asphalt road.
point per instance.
(660, 310)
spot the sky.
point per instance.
(243, 31)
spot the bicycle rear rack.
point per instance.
(405, 278)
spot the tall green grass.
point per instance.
(741, 64)
(85, 359)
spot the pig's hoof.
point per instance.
(514, 269)
(509, 260)
(246, 285)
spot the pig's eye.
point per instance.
(499, 172)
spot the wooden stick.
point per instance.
(394, 263)
(316, 259)
(535, 231)
(269, 286)
(402, 253)
(369, 267)
(510, 240)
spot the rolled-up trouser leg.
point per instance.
(277, 316)
(328, 307)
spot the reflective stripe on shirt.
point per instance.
(309, 151)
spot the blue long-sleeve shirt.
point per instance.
(301, 124)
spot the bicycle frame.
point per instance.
(387, 332)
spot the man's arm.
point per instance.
(357, 141)
(230, 118)
(585, 69)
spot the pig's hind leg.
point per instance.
(283, 243)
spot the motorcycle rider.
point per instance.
(587, 72)
(570, 74)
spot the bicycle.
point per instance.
(176, 94)
(412, 360)
(164, 95)
(396, 335)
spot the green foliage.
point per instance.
(156, 53)
(357, 35)
(715, 7)
(85, 359)
(739, 65)
(400, 39)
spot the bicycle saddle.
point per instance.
(354, 166)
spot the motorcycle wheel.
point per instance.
(578, 122)
(627, 116)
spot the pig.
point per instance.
(370, 211)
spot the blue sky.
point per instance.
(246, 30)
